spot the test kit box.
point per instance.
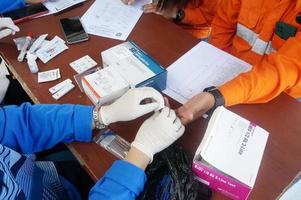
(125, 66)
(103, 86)
(135, 66)
(229, 156)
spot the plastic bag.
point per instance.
(170, 178)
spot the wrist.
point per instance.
(218, 98)
(137, 158)
(179, 16)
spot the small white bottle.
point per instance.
(32, 64)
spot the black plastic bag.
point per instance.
(170, 178)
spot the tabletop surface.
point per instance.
(165, 42)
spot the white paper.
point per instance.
(201, 67)
(112, 18)
(49, 75)
(83, 64)
(55, 6)
(51, 49)
(234, 145)
(293, 191)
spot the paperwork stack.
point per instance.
(230, 153)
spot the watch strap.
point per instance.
(180, 16)
(96, 119)
(219, 99)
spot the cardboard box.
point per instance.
(135, 66)
(104, 86)
(230, 153)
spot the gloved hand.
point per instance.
(130, 106)
(158, 132)
(7, 27)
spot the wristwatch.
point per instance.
(219, 99)
(97, 120)
(180, 16)
(298, 18)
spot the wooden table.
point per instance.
(165, 42)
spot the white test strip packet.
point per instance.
(59, 86)
(52, 49)
(83, 64)
(67, 88)
(37, 43)
(49, 75)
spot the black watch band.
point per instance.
(180, 16)
(219, 99)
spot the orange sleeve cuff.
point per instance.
(232, 92)
(193, 16)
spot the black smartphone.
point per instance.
(74, 30)
(26, 13)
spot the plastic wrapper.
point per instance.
(113, 143)
(170, 178)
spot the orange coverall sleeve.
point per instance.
(276, 73)
(224, 23)
(199, 12)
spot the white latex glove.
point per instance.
(129, 107)
(7, 27)
(158, 132)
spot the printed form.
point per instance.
(55, 6)
(112, 18)
(201, 67)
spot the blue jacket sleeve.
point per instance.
(32, 128)
(8, 5)
(123, 181)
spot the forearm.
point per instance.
(274, 75)
(137, 158)
(122, 181)
(194, 16)
(224, 23)
(200, 14)
(29, 129)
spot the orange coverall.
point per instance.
(198, 17)
(246, 29)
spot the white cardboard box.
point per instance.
(229, 156)
(104, 85)
(135, 66)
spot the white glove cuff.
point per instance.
(104, 115)
(143, 149)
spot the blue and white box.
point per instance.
(137, 67)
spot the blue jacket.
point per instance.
(8, 5)
(28, 129)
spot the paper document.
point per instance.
(55, 6)
(203, 66)
(293, 190)
(112, 18)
